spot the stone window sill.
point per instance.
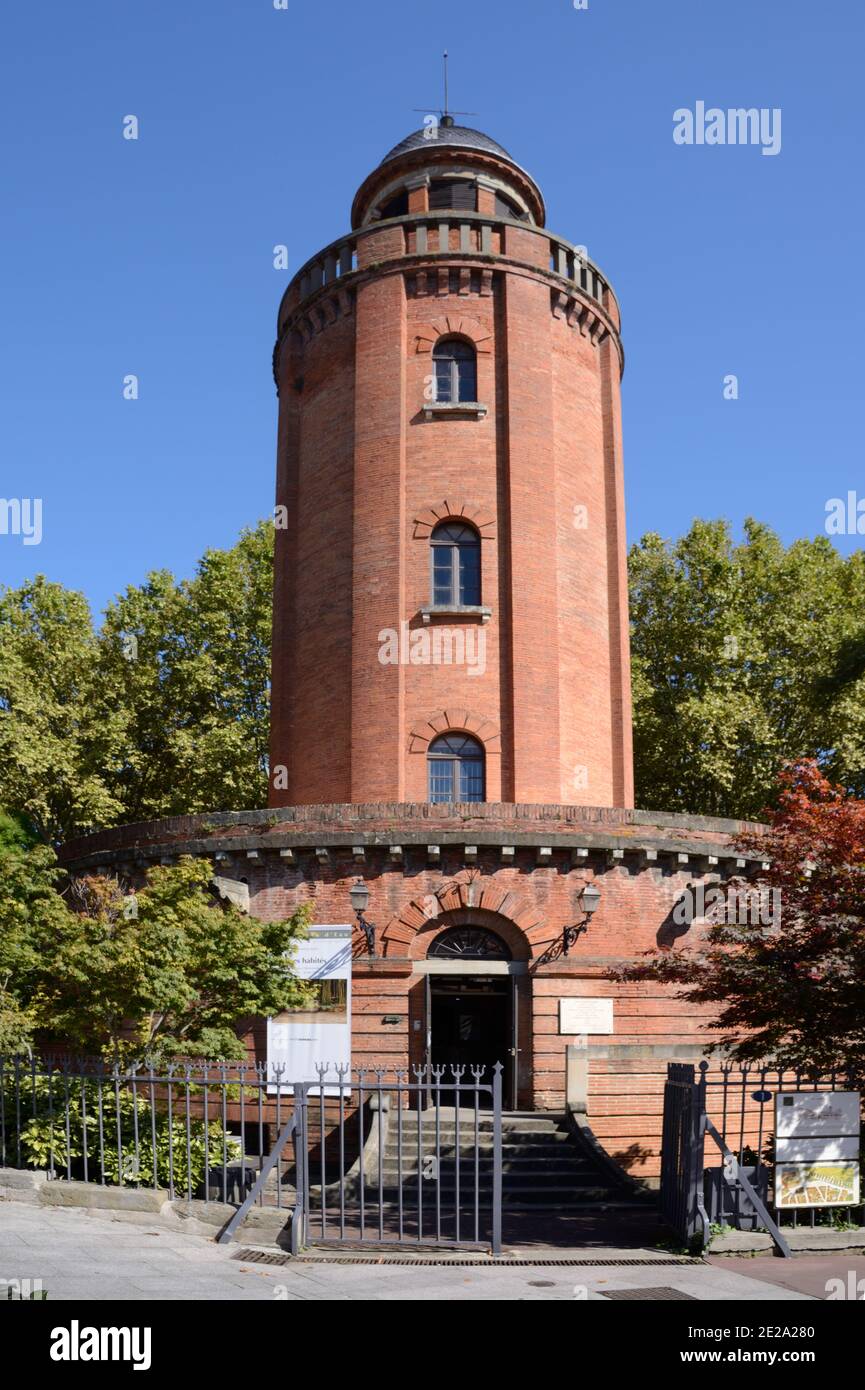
(472, 410)
(457, 611)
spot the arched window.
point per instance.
(456, 373)
(456, 768)
(456, 565)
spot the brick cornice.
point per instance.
(569, 301)
(379, 824)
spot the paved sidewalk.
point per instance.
(809, 1274)
(79, 1256)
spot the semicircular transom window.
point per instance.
(469, 943)
(456, 768)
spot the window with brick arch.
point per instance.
(456, 371)
(456, 768)
(456, 565)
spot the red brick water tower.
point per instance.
(451, 712)
(451, 552)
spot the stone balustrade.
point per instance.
(429, 234)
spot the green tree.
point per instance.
(163, 711)
(165, 971)
(189, 664)
(52, 739)
(31, 913)
(744, 657)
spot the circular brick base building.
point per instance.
(450, 655)
(470, 903)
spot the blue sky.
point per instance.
(154, 256)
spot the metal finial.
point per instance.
(446, 113)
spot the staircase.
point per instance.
(545, 1167)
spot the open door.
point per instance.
(511, 1098)
(427, 1034)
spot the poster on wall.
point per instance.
(318, 1032)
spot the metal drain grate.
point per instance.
(266, 1257)
(662, 1294)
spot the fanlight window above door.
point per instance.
(469, 943)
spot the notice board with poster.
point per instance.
(816, 1149)
(319, 1031)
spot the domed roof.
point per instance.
(420, 148)
(462, 136)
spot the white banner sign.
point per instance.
(320, 1031)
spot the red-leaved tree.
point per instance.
(787, 986)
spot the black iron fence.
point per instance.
(196, 1130)
(718, 1151)
(360, 1156)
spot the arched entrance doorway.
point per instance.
(471, 1003)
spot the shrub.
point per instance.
(133, 1141)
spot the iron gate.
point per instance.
(729, 1106)
(409, 1157)
(682, 1144)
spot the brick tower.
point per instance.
(451, 722)
(450, 595)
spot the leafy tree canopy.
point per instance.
(167, 971)
(787, 985)
(163, 711)
(744, 657)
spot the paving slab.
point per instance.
(91, 1258)
(835, 1278)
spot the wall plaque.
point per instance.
(585, 1015)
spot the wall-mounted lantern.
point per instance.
(359, 895)
(589, 899)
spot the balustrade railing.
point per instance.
(436, 233)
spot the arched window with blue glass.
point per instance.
(456, 371)
(456, 768)
(456, 565)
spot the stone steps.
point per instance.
(543, 1165)
(511, 1164)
